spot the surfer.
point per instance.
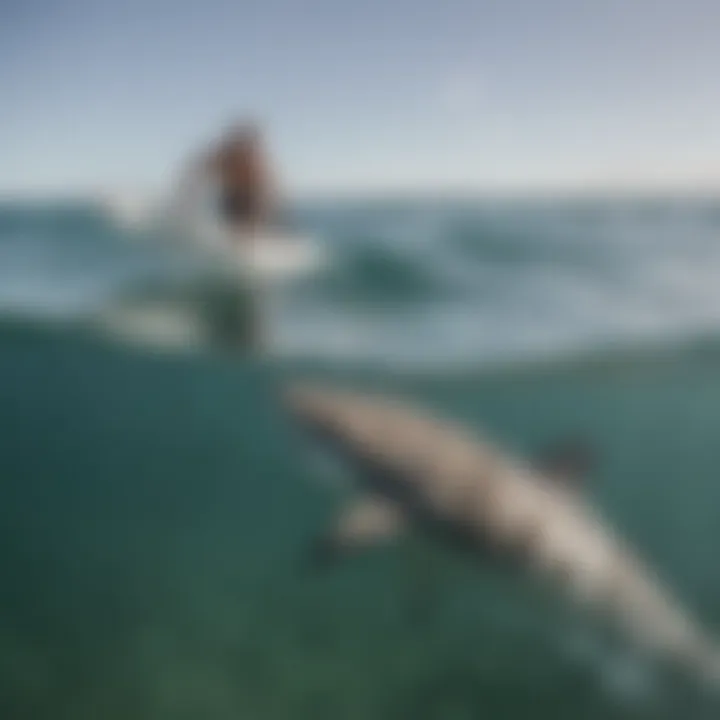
(240, 168)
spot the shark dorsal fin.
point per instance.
(568, 462)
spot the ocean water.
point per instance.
(155, 507)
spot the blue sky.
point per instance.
(364, 95)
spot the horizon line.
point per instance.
(445, 192)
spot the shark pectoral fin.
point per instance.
(568, 462)
(364, 523)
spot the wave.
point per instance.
(186, 329)
(410, 284)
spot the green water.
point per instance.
(155, 510)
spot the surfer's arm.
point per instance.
(205, 165)
(268, 197)
(193, 179)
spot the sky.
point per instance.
(364, 95)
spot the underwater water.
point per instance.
(155, 507)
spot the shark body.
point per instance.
(417, 470)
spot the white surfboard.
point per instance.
(130, 211)
(270, 255)
(277, 256)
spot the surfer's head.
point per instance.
(245, 133)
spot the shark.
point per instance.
(415, 470)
